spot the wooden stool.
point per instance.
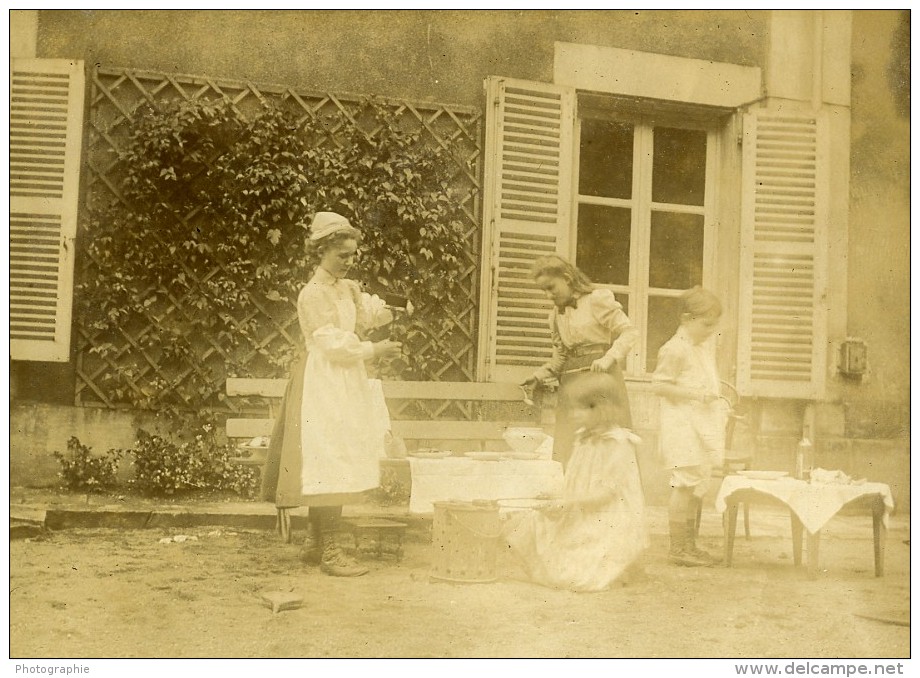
(377, 529)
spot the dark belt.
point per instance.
(579, 358)
(587, 349)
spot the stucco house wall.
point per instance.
(441, 55)
(444, 56)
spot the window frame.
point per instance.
(641, 207)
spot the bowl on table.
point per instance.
(524, 439)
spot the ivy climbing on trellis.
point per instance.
(196, 268)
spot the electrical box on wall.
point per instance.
(852, 358)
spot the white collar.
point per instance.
(324, 277)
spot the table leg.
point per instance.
(729, 524)
(879, 533)
(813, 543)
(797, 528)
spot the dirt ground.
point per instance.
(92, 593)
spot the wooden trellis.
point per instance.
(115, 98)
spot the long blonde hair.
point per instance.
(555, 266)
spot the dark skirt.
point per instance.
(564, 430)
(281, 475)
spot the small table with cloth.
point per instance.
(811, 505)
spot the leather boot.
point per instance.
(311, 552)
(679, 553)
(335, 562)
(691, 546)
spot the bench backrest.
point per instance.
(402, 390)
(476, 434)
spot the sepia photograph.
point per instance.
(405, 334)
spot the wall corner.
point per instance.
(23, 33)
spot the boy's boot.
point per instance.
(690, 547)
(335, 562)
(678, 554)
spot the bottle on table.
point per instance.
(803, 458)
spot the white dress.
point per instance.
(342, 430)
(583, 549)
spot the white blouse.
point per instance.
(597, 318)
(333, 312)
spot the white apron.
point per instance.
(342, 431)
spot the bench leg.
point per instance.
(283, 524)
(747, 520)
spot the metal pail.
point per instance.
(465, 539)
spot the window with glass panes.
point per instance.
(644, 203)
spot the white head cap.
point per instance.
(327, 223)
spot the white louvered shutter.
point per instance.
(46, 118)
(782, 338)
(527, 207)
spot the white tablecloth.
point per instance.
(814, 503)
(463, 479)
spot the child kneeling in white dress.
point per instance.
(598, 531)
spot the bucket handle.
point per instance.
(472, 530)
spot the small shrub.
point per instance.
(81, 471)
(218, 472)
(161, 467)
(164, 467)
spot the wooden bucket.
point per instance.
(465, 539)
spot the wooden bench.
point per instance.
(478, 433)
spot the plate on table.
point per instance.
(430, 454)
(485, 456)
(763, 475)
(521, 455)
